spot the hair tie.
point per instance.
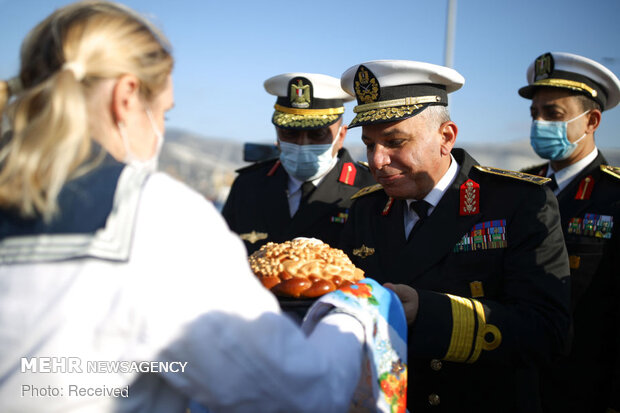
(15, 85)
(77, 68)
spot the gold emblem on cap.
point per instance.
(300, 95)
(366, 86)
(543, 66)
(253, 236)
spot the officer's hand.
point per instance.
(408, 297)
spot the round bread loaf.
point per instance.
(303, 267)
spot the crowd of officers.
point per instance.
(510, 280)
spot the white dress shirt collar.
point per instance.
(564, 176)
(293, 192)
(433, 197)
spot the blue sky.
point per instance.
(224, 50)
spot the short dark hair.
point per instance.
(586, 103)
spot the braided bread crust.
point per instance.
(303, 267)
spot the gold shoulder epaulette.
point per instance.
(611, 170)
(522, 176)
(367, 190)
(364, 164)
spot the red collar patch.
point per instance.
(470, 198)
(273, 168)
(388, 206)
(347, 174)
(585, 188)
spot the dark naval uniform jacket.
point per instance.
(588, 378)
(491, 271)
(257, 208)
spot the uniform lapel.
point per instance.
(322, 200)
(275, 214)
(390, 232)
(436, 237)
(571, 207)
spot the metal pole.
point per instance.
(450, 29)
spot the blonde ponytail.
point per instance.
(49, 140)
(62, 59)
(4, 98)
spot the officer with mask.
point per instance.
(569, 94)
(307, 191)
(475, 253)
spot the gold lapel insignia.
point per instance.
(366, 86)
(363, 251)
(470, 198)
(300, 93)
(253, 236)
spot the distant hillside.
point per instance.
(208, 164)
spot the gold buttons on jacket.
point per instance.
(436, 364)
(433, 399)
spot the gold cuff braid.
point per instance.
(469, 331)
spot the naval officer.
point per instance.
(569, 93)
(306, 192)
(475, 253)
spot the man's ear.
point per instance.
(342, 135)
(125, 96)
(448, 131)
(594, 120)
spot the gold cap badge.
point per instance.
(366, 86)
(299, 93)
(543, 66)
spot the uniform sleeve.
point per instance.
(228, 211)
(347, 235)
(529, 321)
(615, 382)
(208, 309)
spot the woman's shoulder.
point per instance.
(174, 197)
(167, 202)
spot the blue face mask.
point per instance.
(308, 162)
(550, 141)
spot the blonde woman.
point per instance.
(103, 260)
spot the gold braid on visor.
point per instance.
(571, 84)
(309, 112)
(397, 102)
